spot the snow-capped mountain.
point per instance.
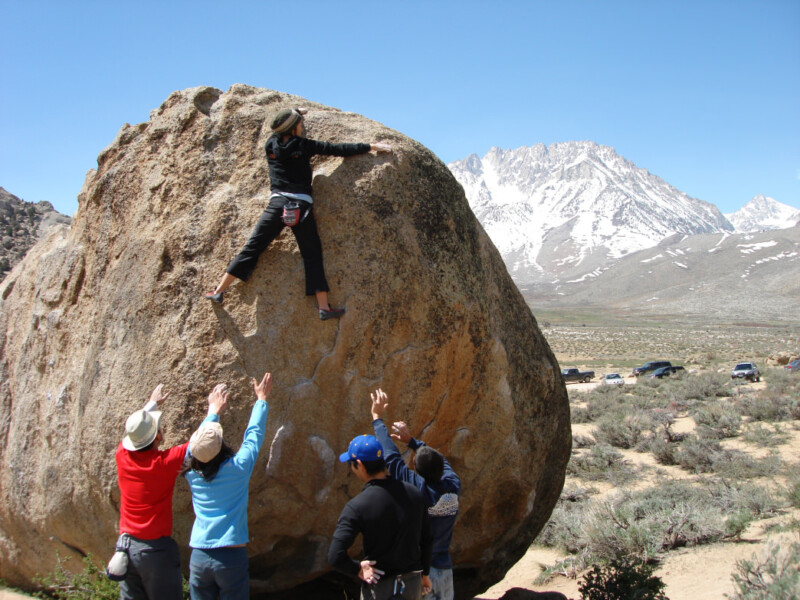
(568, 210)
(763, 213)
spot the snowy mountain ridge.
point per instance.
(763, 213)
(569, 209)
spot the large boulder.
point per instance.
(99, 313)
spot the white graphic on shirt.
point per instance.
(447, 506)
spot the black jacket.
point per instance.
(393, 518)
(289, 161)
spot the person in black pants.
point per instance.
(392, 518)
(288, 156)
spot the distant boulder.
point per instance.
(22, 224)
(100, 313)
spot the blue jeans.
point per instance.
(154, 571)
(441, 585)
(219, 573)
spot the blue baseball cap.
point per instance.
(363, 448)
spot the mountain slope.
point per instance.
(744, 277)
(567, 210)
(763, 213)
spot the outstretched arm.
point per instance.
(217, 401)
(156, 398)
(401, 432)
(256, 428)
(394, 462)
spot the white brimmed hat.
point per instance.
(206, 442)
(141, 429)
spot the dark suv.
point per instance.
(651, 366)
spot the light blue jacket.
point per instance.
(220, 505)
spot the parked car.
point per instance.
(651, 366)
(667, 371)
(576, 375)
(612, 379)
(746, 370)
(794, 366)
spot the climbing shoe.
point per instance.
(215, 297)
(333, 313)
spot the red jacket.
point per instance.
(146, 482)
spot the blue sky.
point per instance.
(705, 94)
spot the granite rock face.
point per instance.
(98, 314)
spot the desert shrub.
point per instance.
(663, 450)
(736, 464)
(698, 455)
(562, 530)
(601, 403)
(644, 524)
(622, 578)
(717, 420)
(601, 462)
(92, 582)
(663, 421)
(732, 496)
(569, 566)
(783, 383)
(579, 415)
(792, 488)
(706, 456)
(765, 437)
(703, 386)
(623, 430)
(778, 402)
(773, 574)
(583, 441)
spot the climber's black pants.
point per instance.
(267, 229)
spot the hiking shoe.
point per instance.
(215, 297)
(333, 313)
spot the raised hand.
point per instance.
(264, 388)
(400, 432)
(159, 395)
(218, 399)
(380, 402)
